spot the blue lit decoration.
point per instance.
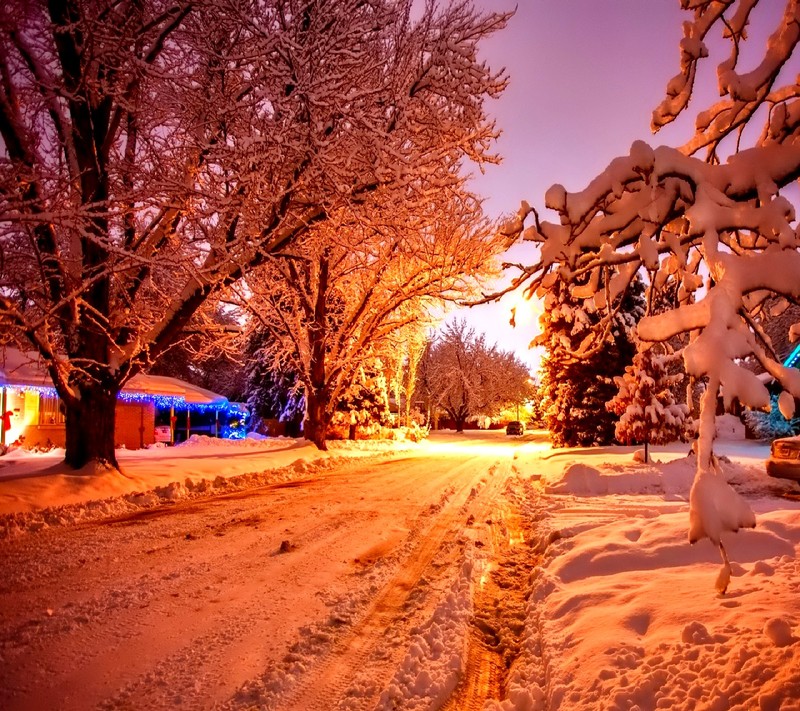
(793, 358)
(160, 401)
(235, 426)
(38, 389)
(233, 418)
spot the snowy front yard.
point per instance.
(461, 571)
(626, 612)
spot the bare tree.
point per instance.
(154, 152)
(466, 377)
(723, 232)
(341, 298)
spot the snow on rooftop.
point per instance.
(19, 369)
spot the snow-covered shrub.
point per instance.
(414, 432)
(772, 424)
(649, 413)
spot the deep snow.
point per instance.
(620, 611)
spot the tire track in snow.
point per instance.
(232, 644)
(181, 607)
(499, 609)
(332, 686)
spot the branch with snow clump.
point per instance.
(666, 213)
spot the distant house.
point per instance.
(32, 412)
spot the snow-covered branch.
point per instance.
(155, 153)
(721, 233)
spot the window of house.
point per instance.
(50, 410)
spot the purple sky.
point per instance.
(585, 76)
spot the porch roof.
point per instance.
(22, 370)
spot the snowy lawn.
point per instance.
(622, 612)
(31, 482)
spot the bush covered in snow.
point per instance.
(772, 424)
(646, 402)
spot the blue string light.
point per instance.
(161, 401)
(794, 356)
(40, 389)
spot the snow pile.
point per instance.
(672, 479)
(627, 625)
(623, 612)
(729, 427)
(432, 668)
(252, 440)
(584, 480)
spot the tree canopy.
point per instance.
(466, 377)
(155, 152)
(719, 226)
(342, 296)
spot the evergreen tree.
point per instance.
(576, 390)
(537, 405)
(649, 413)
(365, 402)
(771, 424)
(272, 391)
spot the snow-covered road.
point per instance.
(329, 591)
(465, 572)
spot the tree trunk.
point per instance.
(315, 427)
(351, 434)
(317, 394)
(460, 424)
(90, 423)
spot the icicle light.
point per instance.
(794, 356)
(161, 401)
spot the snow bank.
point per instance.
(730, 427)
(623, 612)
(38, 490)
(672, 479)
(437, 656)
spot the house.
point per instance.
(32, 412)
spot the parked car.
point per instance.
(515, 428)
(784, 460)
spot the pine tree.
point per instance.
(576, 390)
(365, 402)
(649, 413)
(272, 390)
(771, 424)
